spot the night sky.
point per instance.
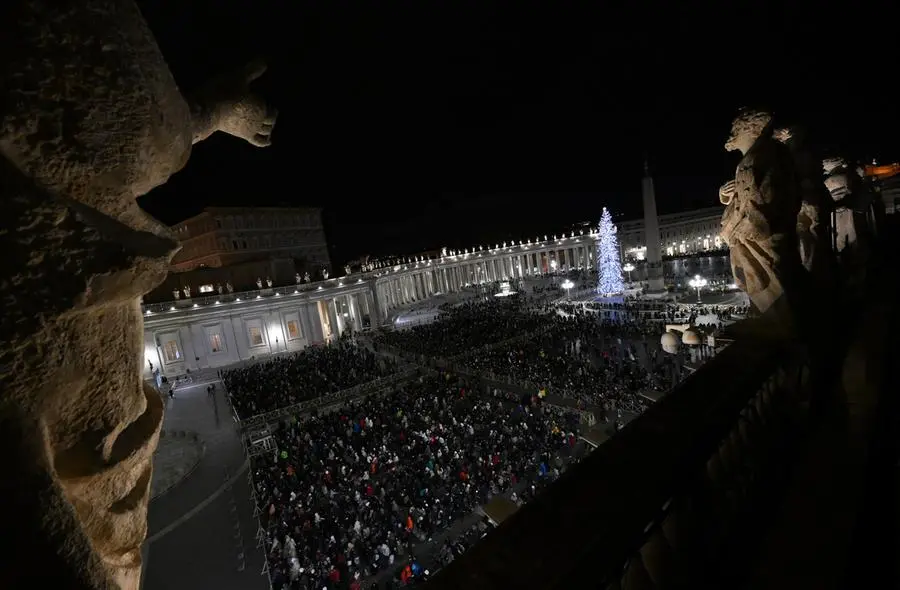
(416, 125)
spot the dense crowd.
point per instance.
(465, 326)
(316, 371)
(648, 312)
(356, 493)
(587, 357)
(383, 490)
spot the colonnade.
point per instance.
(419, 281)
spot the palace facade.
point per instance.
(680, 234)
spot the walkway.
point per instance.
(202, 530)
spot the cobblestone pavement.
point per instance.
(202, 531)
(177, 455)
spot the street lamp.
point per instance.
(567, 285)
(628, 268)
(698, 283)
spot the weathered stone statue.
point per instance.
(219, 288)
(813, 222)
(91, 118)
(852, 202)
(760, 218)
(306, 277)
(229, 287)
(176, 293)
(297, 278)
(187, 292)
(347, 269)
(259, 283)
(324, 273)
(268, 282)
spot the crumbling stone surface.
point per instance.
(91, 118)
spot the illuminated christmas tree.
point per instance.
(609, 264)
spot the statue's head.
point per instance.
(746, 129)
(829, 165)
(791, 135)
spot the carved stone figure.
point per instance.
(324, 273)
(228, 287)
(813, 222)
(259, 283)
(852, 205)
(297, 278)
(268, 282)
(347, 269)
(306, 277)
(176, 294)
(219, 288)
(760, 218)
(91, 119)
(187, 292)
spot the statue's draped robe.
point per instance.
(759, 224)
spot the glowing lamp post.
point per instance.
(698, 283)
(628, 268)
(567, 285)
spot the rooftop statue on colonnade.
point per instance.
(760, 220)
(91, 119)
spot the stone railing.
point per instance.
(274, 416)
(668, 501)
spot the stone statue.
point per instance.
(297, 278)
(219, 288)
(259, 283)
(187, 292)
(228, 287)
(760, 218)
(306, 277)
(268, 282)
(852, 203)
(176, 293)
(324, 273)
(91, 119)
(813, 222)
(347, 269)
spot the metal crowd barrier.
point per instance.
(328, 399)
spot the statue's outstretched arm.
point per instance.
(227, 104)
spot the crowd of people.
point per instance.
(374, 489)
(383, 490)
(464, 326)
(595, 360)
(648, 312)
(284, 381)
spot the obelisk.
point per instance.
(651, 234)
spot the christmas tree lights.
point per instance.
(609, 264)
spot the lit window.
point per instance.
(171, 352)
(215, 343)
(256, 338)
(205, 288)
(293, 329)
